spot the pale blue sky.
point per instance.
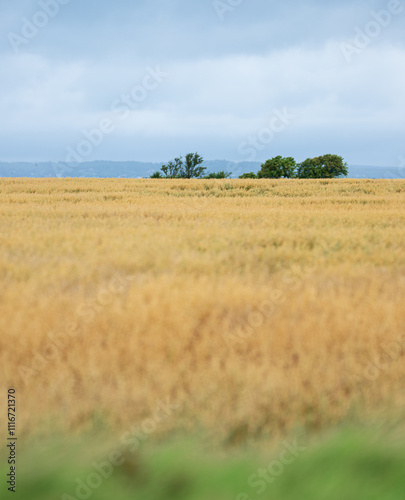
(232, 79)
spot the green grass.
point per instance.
(346, 466)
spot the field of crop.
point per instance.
(241, 310)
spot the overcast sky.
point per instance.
(240, 80)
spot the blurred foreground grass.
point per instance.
(347, 465)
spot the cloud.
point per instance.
(226, 79)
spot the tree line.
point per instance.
(321, 167)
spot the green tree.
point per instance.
(182, 169)
(191, 166)
(218, 175)
(277, 168)
(248, 175)
(322, 167)
(156, 175)
(309, 169)
(172, 169)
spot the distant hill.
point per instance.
(363, 172)
(136, 169)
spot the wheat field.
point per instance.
(240, 308)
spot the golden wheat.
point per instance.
(252, 306)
